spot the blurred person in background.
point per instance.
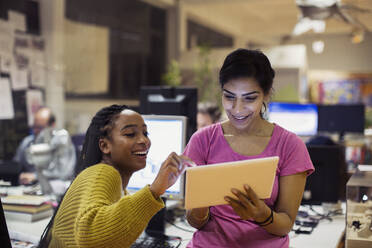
(208, 113)
(62, 165)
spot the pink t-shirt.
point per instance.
(225, 228)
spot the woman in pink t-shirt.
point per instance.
(246, 79)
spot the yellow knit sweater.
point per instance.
(93, 213)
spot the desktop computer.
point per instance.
(301, 119)
(327, 184)
(9, 171)
(4, 234)
(165, 100)
(341, 119)
(167, 134)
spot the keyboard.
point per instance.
(156, 242)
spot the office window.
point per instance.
(130, 49)
(29, 8)
(199, 35)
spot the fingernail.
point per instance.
(234, 191)
(246, 186)
(227, 199)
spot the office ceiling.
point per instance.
(270, 22)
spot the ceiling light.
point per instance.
(357, 36)
(306, 24)
(318, 46)
(317, 3)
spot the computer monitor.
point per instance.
(341, 118)
(9, 171)
(302, 119)
(165, 100)
(4, 234)
(167, 134)
(328, 182)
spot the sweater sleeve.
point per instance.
(111, 221)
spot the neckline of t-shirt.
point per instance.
(274, 133)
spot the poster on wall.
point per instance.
(22, 57)
(366, 91)
(19, 78)
(37, 65)
(332, 87)
(6, 46)
(17, 19)
(339, 91)
(34, 100)
(6, 37)
(6, 63)
(6, 101)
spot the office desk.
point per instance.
(174, 230)
(325, 235)
(26, 231)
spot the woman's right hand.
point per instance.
(169, 172)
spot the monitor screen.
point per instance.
(165, 100)
(4, 234)
(167, 134)
(327, 183)
(341, 118)
(302, 119)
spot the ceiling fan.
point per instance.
(314, 13)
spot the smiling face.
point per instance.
(128, 144)
(242, 100)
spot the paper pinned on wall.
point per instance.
(6, 37)
(6, 46)
(34, 100)
(6, 63)
(6, 100)
(37, 64)
(21, 65)
(19, 78)
(17, 19)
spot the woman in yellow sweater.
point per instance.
(96, 211)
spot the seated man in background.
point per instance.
(63, 162)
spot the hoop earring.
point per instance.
(264, 109)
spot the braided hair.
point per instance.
(100, 127)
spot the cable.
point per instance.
(181, 228)
(327, 216)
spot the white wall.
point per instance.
(339, 54)
(79, 112)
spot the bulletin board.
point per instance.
(329, 87)
(13, 130)
(22, 70)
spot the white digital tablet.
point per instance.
(208, 185)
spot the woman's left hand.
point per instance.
(248, 205)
